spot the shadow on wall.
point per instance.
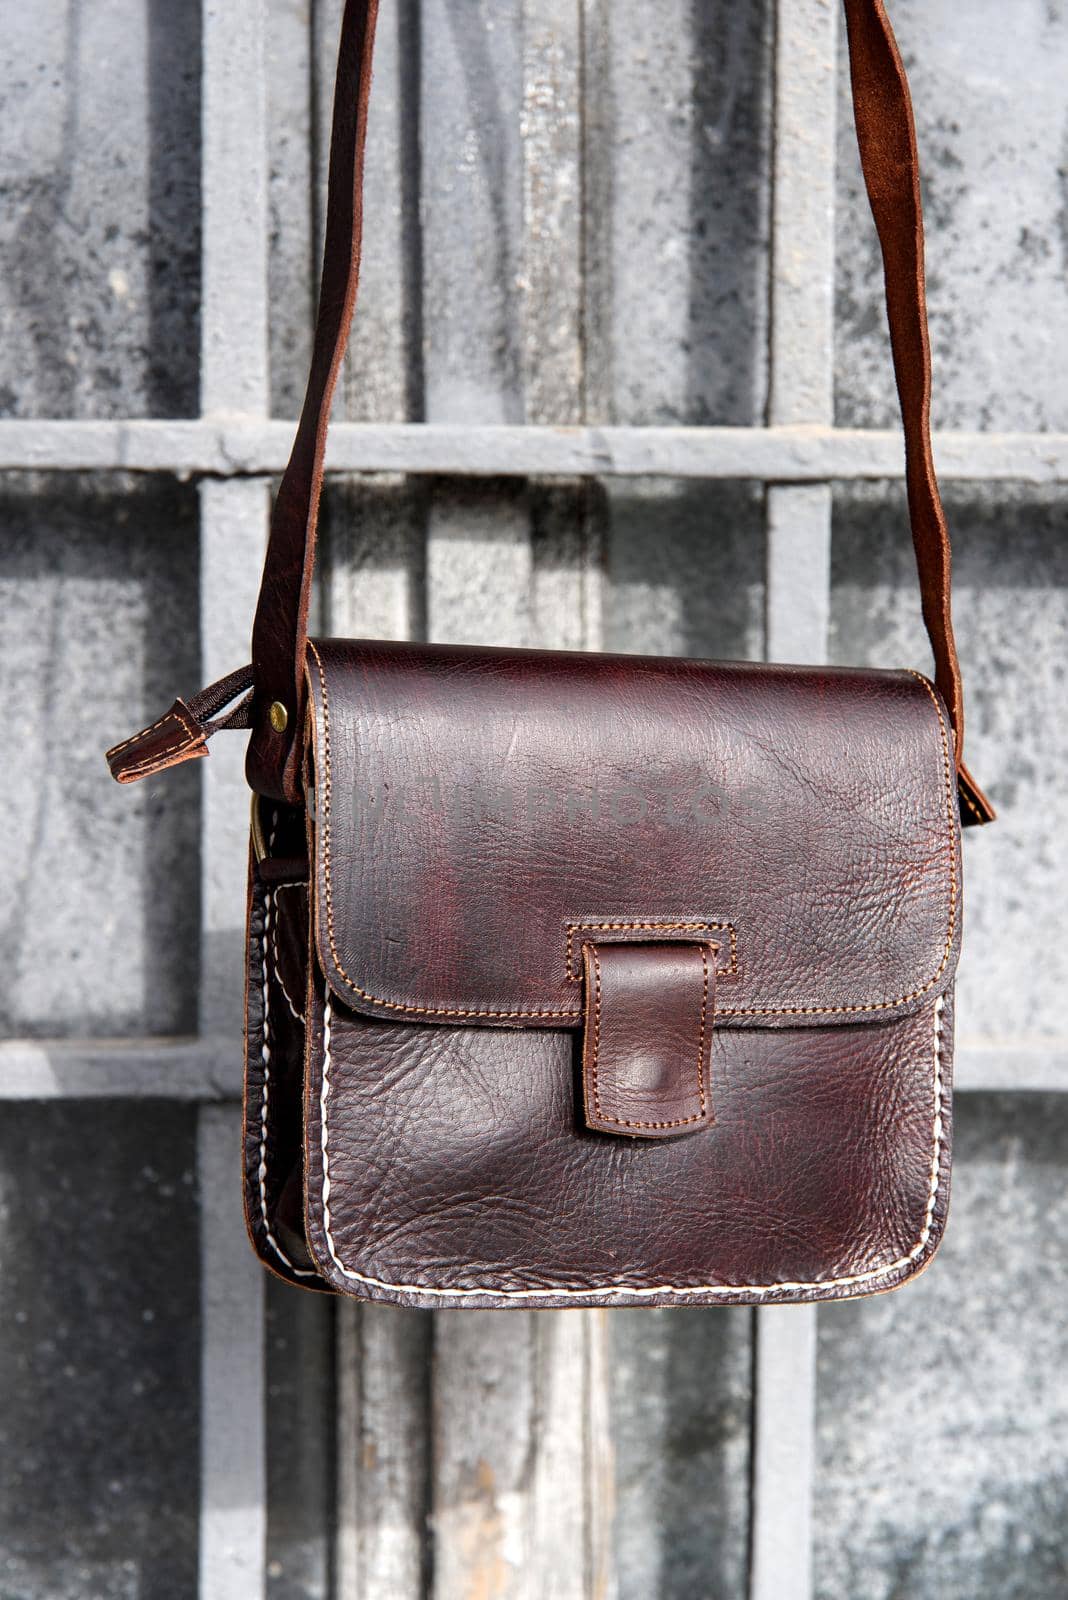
(686, 564)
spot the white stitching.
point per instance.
(265, 1057)
(555, 1292)
(298, 1016)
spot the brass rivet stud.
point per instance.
(279, 716)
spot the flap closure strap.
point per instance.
(647, 1037)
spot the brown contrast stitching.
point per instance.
(574, 1011)
(575, 976)
(190, 730)
(188, 738)
(701, 1039)
(596, 1040)
(623, 1122)
(887, 1005)
(639, 1291)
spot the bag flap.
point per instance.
(479, 815)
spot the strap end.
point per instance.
(175, 738)
(182, 733)
(975, 808)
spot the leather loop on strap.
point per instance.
(647, 1038)
(887, 141)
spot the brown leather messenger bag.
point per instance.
(580, 979)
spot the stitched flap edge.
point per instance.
(371, 902)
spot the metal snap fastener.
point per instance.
(279, 716)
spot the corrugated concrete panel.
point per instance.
(988, 87)
(99, 208)
(472, 193)
(943, 1411)
(99, 1351)
(98, 621)
(383, 1452)
(1010, 563)
(382, 376)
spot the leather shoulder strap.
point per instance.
(887, 140)
(280, 629)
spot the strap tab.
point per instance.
(975, 808)
(182, 733)
(648, 1037)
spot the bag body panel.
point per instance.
(449, 1167)
(414, 1153)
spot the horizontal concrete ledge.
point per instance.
(208, 1069)
(1007, 1066)
(236, 446)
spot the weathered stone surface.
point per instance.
(472, 207)
(301, 1428)
(943, 1408)
(98, 606)
(681, 1396)
(988, 88)
(291, 201)
(1010, 566)
(99, 209)
(677, 212)
(99, 1350)
(384, 1445)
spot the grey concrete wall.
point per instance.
(99, 213)
(943, 1412)
(98, 626)
(99, 1350)
(988, 86)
